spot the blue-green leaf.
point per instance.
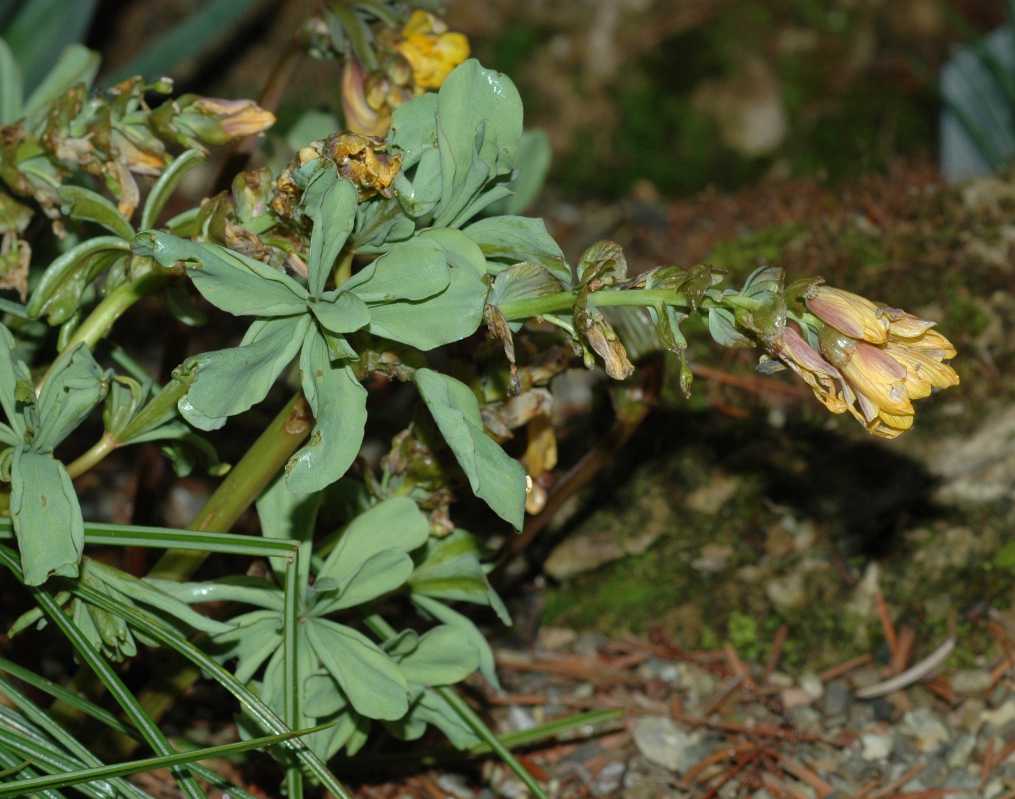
(409, 271)
(441, 612)
(254, 637)
(46, 515)
(513, 239)
(330, 201)
(339, 404)
(414, 128)
(372, 681)
(445, 655)
(341, 312)
(233, 380)
(494, 476)
(396, 523)
(75, 386)
(230, 281)
(451, 315)
(473, 99)
(285, 514)
(382, 573)
(15, 383)
(531, 166)
(450, 569)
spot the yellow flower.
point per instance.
(872, 360)
(824, 379)
(431, 50)
(849, 313)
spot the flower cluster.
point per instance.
(414, 60)
(868, 359)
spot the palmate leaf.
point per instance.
(233, 380)
(494, 476)
(372, 681)
(371, 556)
(450, 315)
(443, 613)
(450, 569)
(339, 405)
(408, 272)
(443, 656)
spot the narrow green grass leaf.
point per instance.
(123, 696)
(127, 535)
(26, 787)
(189, 39)
(103, 716)
(153, 627)
(42, 29)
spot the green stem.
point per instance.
(100, 321)
(564, 301)
(89, 459)
(244, 484)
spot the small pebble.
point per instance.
(836, 698)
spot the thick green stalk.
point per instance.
(90, 458)
(564, 301)
(244, 484)
(100, 321)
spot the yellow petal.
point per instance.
(849, 313)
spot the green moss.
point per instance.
(765, 246)
(742, 631)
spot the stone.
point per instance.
(927, 730)
(795, 697)
(788, 592)
(836, 698)
(877, 746)
(710, 497)
(971, 681)
(960, 753)
(1001, 716)
(812, 685)
(664, 743)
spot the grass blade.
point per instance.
(44, 28)
(153, 627)
(127, 535)
(100, 714)
(82, 776)
(71, 745)
(189, 39)
(98, 664)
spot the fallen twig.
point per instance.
(910, 676)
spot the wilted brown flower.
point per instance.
(364, 161)
(194, 121)
(872, 360)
